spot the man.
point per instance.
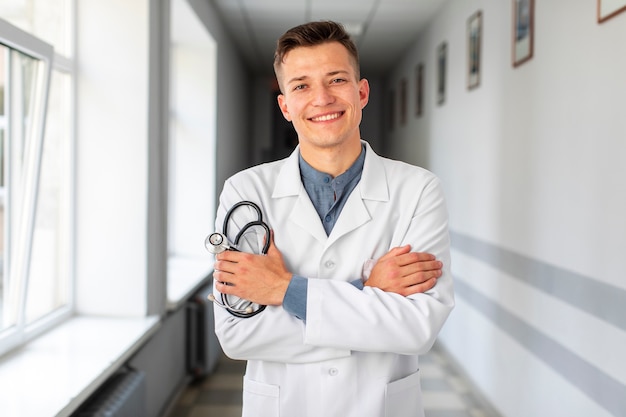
(353, 292)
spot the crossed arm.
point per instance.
(264, 279)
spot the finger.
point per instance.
(228, 255)
(221, 286)
(223, 277)
(414, 258)
(422, 276)
(423, 286)
(423, 256)
(425, 266)
(397, 251)
(224, 267)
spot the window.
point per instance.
(192, 141)
(35, 170)
(44, 276)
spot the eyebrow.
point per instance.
(297, 79)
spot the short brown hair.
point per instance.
(312, 34)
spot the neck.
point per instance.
(333, 161)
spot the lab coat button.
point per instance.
(333, 371)
(329, 264)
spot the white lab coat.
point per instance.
(356, 355)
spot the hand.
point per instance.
(404, 272)
(262, 279)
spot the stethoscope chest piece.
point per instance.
(216, 243)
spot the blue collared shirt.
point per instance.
(328, 195)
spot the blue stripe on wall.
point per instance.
(599, 299)
(609, 393)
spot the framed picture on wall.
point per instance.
(523, 30)
(441, 72)
(474, 40)
(419, 90)
(610, 8)
(403, 99)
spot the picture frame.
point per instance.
(610, 8)
(403, 99)
(442, 63)
(474, 49)
(419, 90)
(523, 31)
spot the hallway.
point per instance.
(446, 392)
(116, 145)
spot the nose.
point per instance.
(323, 96)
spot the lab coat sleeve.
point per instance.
(274, 334)
(370, 320)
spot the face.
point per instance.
(322, 96)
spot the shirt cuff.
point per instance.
(295, 297)
(294, 302)
(358, 283)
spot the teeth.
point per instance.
(326, 117)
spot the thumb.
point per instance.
(272, 250)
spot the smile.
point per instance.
(326, 117)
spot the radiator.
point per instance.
(122, 395)
(203, 348)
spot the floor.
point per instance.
(446, 393)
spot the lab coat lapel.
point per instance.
(372, 186)
(304, 215)
(289, 184)
(353, 215)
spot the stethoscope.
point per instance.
(218, 243)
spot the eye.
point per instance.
(299, 87)
(338, 80)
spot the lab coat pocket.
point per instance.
(403, 398)
(260, 399)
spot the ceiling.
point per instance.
(382, 29)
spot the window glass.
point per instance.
(24, 91)
(48, 283)
(35, 184)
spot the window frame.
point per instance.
(19, 250)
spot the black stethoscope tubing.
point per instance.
(259, 222)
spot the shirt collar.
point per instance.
(372, 186)
(321, 178)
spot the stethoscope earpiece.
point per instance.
(247, 310)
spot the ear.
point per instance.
(364, 92)
(282, 104)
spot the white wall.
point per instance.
(112, 157)
(122, 133)
(193, 97)
(532, 163)
(235, 98)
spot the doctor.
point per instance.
(357, 277)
